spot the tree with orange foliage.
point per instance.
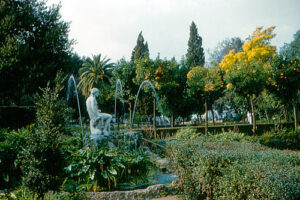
(205, 84)
(284, 81)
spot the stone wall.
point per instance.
(148, 193)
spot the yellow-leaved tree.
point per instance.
(246, 71)
(256, 48)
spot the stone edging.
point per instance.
(150, 192)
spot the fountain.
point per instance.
(118, 83)
(156, 97)
(70, 82)
(130, 135)
(133, 138)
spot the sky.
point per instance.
(111, 27)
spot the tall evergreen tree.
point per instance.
(195, 52)
(141, 49)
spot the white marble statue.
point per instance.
(97, 118)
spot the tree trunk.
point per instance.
(267, 116)
(154, 115)
(253, 116)
(285, 113)
(295, 114)
(199, 119)
(206, 118)
(172, 120)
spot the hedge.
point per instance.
(228, 166)
(165, 132)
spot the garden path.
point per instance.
(167, 198)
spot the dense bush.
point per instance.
(218, 167)
(11, 143)
(282, 139)
(42, 158)
(102, 169)
(186, 133)
(158, 147)
(229, 137)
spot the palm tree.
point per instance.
(94, 71)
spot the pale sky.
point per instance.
(111, 27)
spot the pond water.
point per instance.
(155, 177)
(163, 178)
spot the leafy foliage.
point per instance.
(211, 167)
(11, 144)
(187, 133)
(292, 49)
(33, 42)
(281, 139)
(100, 168)
(43, 157)
(284, 81)
(204, 85)
(230, 137)
(126, 73)
(257, 48)
(34, 45)
(246, 80)
(224, 47)
(166, 77)
(284, 77)
(196, 83)
(94, 71)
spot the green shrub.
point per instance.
(104, 169)
(211, 167)
(11, 143)
(265, 177)
(282, 139)
(42, 157)
(230, 137)
(186, 133)
(159, 150)
(74, 191)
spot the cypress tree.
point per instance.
(195, 52)
(141, 49)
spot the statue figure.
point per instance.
(97, 118)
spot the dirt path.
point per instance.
(167, 198)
